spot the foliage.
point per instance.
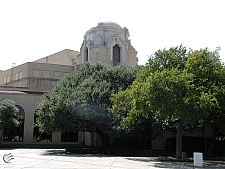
(209, 75)
(8, 119)
(81, 100)
(8, 112)
(172, 159)
(170, 89)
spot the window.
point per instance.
(57, 75)
(36, 73)
(21, 113)
(20, 75)
(86, 55)
(116, 55)
(16, 76)
(8, 79)
(4, 80)
(45, 73)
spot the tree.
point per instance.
(209, 74)
(165, 89)
(8, 119)
(81, 100)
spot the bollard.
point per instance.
(184, 155)
(198, 162)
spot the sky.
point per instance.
(33, 29)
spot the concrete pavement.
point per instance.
(61, 159)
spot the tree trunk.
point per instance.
(212, 142)
(1, 135)
(179, 139)
(209, 149)
(205, 140)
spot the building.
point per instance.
(107, 43)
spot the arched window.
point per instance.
(116, 55)
(21, 113)
(86, 55)
(16, 134)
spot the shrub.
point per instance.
(172, 159)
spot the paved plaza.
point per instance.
(61, 159)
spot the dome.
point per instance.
(113, 24)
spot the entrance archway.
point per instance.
(16, 134)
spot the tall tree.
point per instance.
(8, 119)
(209, 74)
(81, 100)
(164, 88)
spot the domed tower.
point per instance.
(107, 43)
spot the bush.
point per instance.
(172, 159)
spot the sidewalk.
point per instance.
(61, 159)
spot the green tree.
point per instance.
(164, 89)
(81, 100)
(209, 74)
(8, 119)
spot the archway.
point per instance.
(86, 56)
(116, 55)
(71, 136)
(16, 134)
(40, 136)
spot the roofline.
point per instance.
(21, 89)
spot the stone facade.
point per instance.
(99, 41)
(26, 83)
(65, 57)
(35, 76)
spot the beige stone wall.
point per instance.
(35, 76)
(65, 57)
(52, 68)
(39, 80)
(101, 56)
(129, 56)
(29, 103)
(132, 58)
(40, 84)
(16, 73)
(56, 62)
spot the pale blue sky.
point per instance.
(32, 29)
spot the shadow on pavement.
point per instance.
(181, 165)
(70, 154)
